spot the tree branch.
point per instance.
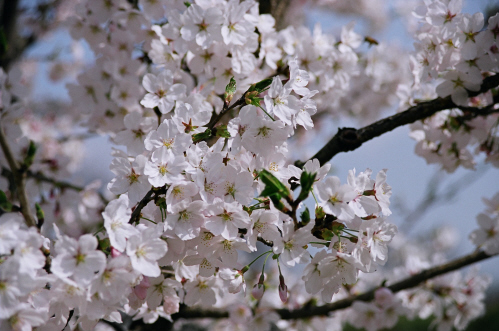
(19, 178)
(7, 26)
(434, 195)
(349, 139)
(324, 310)
(16, 43)
(135, 218)
(39, 176)
(214, 120)
(407, 283)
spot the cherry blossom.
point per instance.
(335, 198)
(487, 236)
(162, 92)
(214, 191)
(79, 259)
(145, 249)
(116, 216)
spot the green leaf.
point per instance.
(273, 186)
(187, 4)
(306, 181)
(327, 234)
(105, 244)
(261, 85)
(4, 202)
(305, 216)
(276, 200)
(40, 215)
(338, 227)
(252, 98)
(30, 155)
(39, 212)
(161, 203)
(256, 101)
(319, 213)
(221, 131)
(230, 89)
(201, 136)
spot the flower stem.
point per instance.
(259, 256)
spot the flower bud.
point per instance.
(257, 291)
(115, 252)
(319, 212)
(141, 290)
(283, 293)
(171, 304)
(384, 297)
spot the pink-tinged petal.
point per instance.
(257, 291)
(185, 231)
(165, 79)
(230, 231)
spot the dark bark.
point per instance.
(349, 139)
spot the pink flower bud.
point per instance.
(115, 252)
(283, 293)
(257, 291)
(141, 290)
(171, 304)
(383, 297)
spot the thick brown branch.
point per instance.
(43, 20)
(349, 139)
(7, 28)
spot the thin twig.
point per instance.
(39, 176)
(19, 180)
(432, 196)
(138, 209)
(241, 101)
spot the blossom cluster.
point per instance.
(184, 247)
(487, 236)
(205, 99)
(456, 49)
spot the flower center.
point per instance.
(168, 142)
